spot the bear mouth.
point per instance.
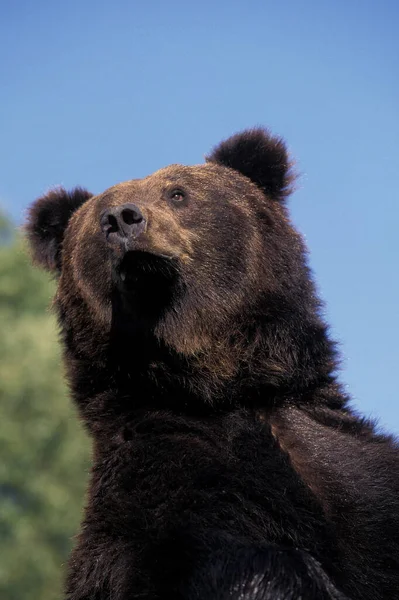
(145, 270)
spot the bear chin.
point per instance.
(146, 281)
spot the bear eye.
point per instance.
(177, 196)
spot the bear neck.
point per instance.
(275, 362)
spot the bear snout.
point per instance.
(121, 223)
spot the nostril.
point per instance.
(112, 224)
(131, 216)
(109, 222)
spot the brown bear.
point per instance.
(226, 460)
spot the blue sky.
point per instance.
(94, 93)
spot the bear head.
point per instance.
(191, 282)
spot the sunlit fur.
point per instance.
(226, 460)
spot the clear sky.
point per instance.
(94, 93)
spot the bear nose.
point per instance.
(122, 222)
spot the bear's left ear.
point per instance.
(47, 221)
(259, 156)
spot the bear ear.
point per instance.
(47, 221)
(261, 157)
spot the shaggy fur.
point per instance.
(261, 157)
(48, 219)
(227, 463)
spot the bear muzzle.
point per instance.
(120, 224)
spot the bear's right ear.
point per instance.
(47, 221)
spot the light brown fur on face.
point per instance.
(172, 231)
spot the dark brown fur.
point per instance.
(227, 463)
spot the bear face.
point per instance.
(195, 272)
(179, 243)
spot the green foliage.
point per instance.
(44, 452)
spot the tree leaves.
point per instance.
(43, 450)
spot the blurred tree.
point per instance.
(44, 452)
